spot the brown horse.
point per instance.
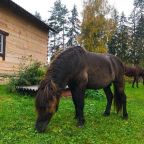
(80, 69)
(134, 72)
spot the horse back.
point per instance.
(103, 69)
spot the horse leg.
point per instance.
(74, 100)
(125, 114)
(137, 79)
(133, 82)
(78, 100)
(79, 104)
(120, 97)
(109, 96)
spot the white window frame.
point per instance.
(1, 49)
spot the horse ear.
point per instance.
(53, 86)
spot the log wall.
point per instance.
(25, 40)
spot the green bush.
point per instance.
(94, 94)
(28, 75)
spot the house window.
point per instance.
(3, 43)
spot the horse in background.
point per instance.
(136, 72)
(80, 69)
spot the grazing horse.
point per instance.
(80, 69)
(135, 72)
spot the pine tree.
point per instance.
(37, 15)
(113, 42)
(139, 5)
(136, 21)
(119, 43)
(140, 38)
(133, 54)
(123, 39)
(74, 28)
(58, 21)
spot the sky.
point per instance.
(43, 6)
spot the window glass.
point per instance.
(1, 43)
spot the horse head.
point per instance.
(47, 101)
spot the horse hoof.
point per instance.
(105, 114)
(80, 124)
(125, 117)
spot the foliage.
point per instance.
(74, 28)
(119, 43)
(58, 21)
(140, 38)
(137, 32)
(37, 15)
(123, 39)
(29, 74)
(94, 94)
(17, 118)
(96, 28)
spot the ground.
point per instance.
(17, 119)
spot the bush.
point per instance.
(28, 75)
(94, 94)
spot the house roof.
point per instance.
(22, 12)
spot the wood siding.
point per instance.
(25, 39)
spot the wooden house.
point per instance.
(21, 35)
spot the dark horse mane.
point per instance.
(59, 64)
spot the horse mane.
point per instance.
(65, 60)
(56, 54)
(69, 51)
(46, 91)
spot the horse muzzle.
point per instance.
(41, 125)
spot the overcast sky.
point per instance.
(43, 6)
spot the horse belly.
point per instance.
(99, 82)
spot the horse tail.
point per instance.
(117, 99)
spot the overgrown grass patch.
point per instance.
(17, 119)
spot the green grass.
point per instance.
(17, 118)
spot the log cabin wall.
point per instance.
(25, 39)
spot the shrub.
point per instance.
(28, 75)
(94, 94)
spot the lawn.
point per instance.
(17, 118)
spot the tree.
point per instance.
(136, 24)
(113, 43)
(74, 28)
(133, 51)
(96, 28)
(37, 15)
(123, 38)
(140, 38)
(139, 4)
(119, 43)
(58, 21)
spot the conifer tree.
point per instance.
(74, 27)
(113, 43)
(58, 21)
(37, 15)
(123, 38)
